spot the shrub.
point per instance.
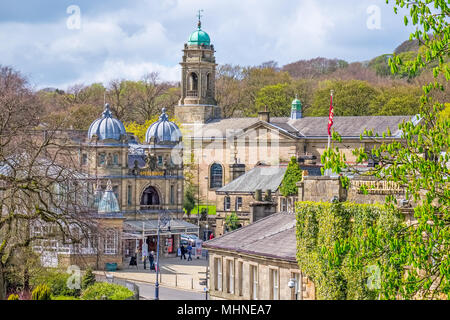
(57, 281)
(42, 292)
(13, 297)
(107, 291)
(64, 298)
(88, 279)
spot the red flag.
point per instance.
(331, 115)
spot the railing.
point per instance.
(192, 93)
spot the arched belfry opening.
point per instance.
(193, 81)
(150, 197)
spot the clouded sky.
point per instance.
(126, 39)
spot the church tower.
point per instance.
(198, 103)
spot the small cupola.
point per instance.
(296, 109)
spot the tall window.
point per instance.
(298, 286)
(254, 282)
(115, 158)
(216, 176)
(129, 196)
(226, 203)
(101, 159)
(238, 203)
(208, 82)
(172, 195)
(241, 277)
(84, 159)
(274, 284)
(111, 242)
(230, 276)
(193, 82)
(218, 274)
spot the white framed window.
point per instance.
(218, 274)
(101, 159)
(254, 282)
(130, 195)
(274, 286)
(238, 203)
(230, 276)
(116, 158)
(84, 159)
(111, 242)
(298, 286)
(227, 203)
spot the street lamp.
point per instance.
(163, 221)
(207, 207)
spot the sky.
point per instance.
(61, 43)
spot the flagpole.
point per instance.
(328, 171)
(329, 137)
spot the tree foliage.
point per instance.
(417, 264)
(293, 175)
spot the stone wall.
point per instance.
(285, 269)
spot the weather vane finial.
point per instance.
(200, 18)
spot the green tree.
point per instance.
(414, 262)
(88, 279)
(277, 98)
(291, 177)
(351, 98)
(189, 200)
(396, 100)
(232, 221)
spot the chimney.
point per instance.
(264, 115)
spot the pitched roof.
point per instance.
(260, 177)
(305, 127)
(273, 236)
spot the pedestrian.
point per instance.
(151, 258)
(144, 254)
(189, 250)
(183, 252)
(211, 236)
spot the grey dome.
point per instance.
(163, 131)
(108, 202)
(107, 127)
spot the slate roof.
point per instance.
(260, 177)
(273, 236)
(304, 127)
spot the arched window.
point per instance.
(193, 79)
(216, 176)
(150, 197)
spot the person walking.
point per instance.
(151, 258)
(189, 250)
(183, 252)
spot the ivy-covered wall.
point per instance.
(327, 234)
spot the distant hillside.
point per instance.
(408, 45)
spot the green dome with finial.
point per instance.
(199, 37)
(296, 104)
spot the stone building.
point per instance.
(132, 185)
(257, 262)
(218, 143)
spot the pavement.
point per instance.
(174, 274)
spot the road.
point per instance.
(147, 291)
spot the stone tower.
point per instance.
(198, 103)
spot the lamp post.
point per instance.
(207, 207)
(163, 220)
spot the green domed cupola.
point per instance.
(199, 37)
(296, 111)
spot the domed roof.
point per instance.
(106, 127)
(296, 104)
(108, 203)
(163, 131)
(199, 37)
